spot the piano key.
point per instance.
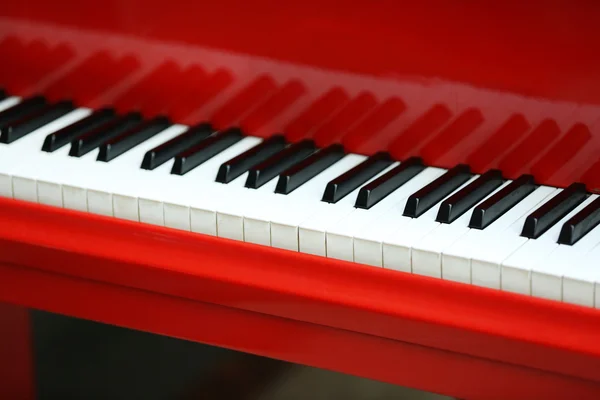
(427, 197)
(578, 226)
(377, 190)
(548, 275)
(426, 253)
(97, 136)
(22, 109)
(580, 282)
(304, 203)
(277, 207)
(164, 152)
(312, 231)
(344, 184)
(340, 236)
(127, 140)
(547, 215)
(279, 162)
(17, 129)
(62, 137)
(184, 199)
(25, 153)
(368, 242)
(493, 208)
(456, 205)
(2, 94)
(243, 162)
(517, 268)
(297, 175)
(456, 260)
(205, 150)
(116, 185)
(397, 247)
(9, 102)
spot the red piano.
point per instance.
(404, 191)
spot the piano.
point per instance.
(404, 191)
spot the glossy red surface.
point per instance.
(432, 334)
(514, 85)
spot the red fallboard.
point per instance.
(511, 85)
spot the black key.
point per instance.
(425, 198)
(205, 150)
(494, 207)
(580, 224)
(22, 109)
(279, 162)
(163, 153)
(127, 140)
(2, 94)
(94, 138)
(17, 129)
(377, 190)
(242, 163)
(58, 139)
(305, 170)
(553, 210)
(350, 180)
(461, 201)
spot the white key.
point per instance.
(257, 220)
(547, 274)
(517, 268)
(581, 275)
(26, 153)
(488, 255)
(368, 244)
(340, 237)
(305, 202)
(9, 102)
(397, 247)
(456, 260)
(311, 233)
(191, 200)
(427, 252)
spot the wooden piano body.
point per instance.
(452, 82)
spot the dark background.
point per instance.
(78, 359)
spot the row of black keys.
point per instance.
(297, 163)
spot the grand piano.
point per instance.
(405, 191)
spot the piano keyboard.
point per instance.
(484, 230)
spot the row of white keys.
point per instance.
(580, 270)
(304, 202)
(340, 236)
(190, 201)
(486, 262)
(427, 253)
(274, 206)
(368, 243)
(516, 269)
(83, 183)
(397, 246)
(547, 273)
(312, 231)
(482, 244)
(26, 155)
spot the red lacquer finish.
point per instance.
(348, 317)
(518, 82)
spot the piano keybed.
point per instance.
(480, 229)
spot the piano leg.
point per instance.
(16, 363)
